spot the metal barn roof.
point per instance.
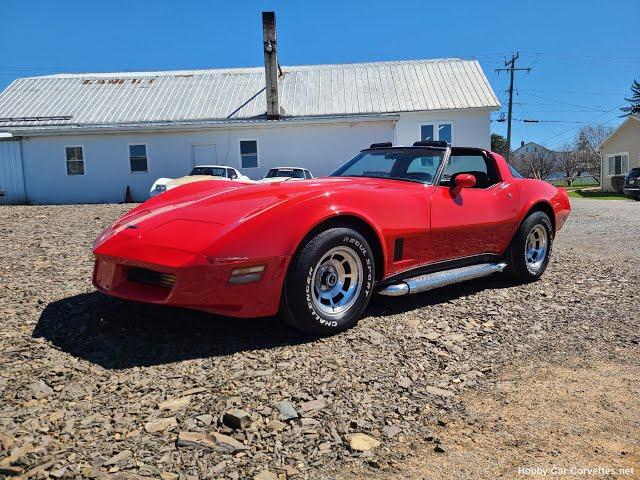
(236, 95)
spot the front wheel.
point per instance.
(531, 248)
(329, 282)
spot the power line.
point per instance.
(560, 101)
(531, 120)
(561, 134)
(574, 92)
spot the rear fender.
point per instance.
(539, 195)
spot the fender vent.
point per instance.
(398, 250)
(151, 277)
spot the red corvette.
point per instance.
(393, 220)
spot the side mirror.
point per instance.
(465, 180)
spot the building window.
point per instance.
(138, 158)
(437, 131)
(75, 160)
(426, 133)
(444, 132)
(618, 164)
(249, 153)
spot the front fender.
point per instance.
(279, 230)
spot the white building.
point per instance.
(75, 138)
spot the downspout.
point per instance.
(24, 177)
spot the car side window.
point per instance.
(476, 164)
(423, 168)
(307, 174)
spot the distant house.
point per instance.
(532, 148)
(72, 138)
(620, 152)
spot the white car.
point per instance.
(198, 174)
(282, 174)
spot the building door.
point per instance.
(204, 155)
(11, 179)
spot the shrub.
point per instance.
(617, 183)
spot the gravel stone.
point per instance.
(237, 419)
(40, 390)
(216, 441)
(362, 443)
(160, 425)
(119, 458)
(287, 410)
(441, 392)
(265, 475)
(391, 431)
(175, 404)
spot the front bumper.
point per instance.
(202, 284)
(633, 191)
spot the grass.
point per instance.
(578, 182)
(596, 194)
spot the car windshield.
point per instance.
(409, 164)
(515, 173)
(214, 171)
(284, 172)
(635, 172)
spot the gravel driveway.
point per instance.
(97, 387)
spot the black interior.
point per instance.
(484, 179)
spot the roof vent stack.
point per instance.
(270, 64)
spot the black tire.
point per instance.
(311, 271)
(520, 268)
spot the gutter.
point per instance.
(211, 125)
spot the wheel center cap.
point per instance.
(331, 279)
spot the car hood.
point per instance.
(176, 217)
(191, 178)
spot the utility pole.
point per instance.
(511, 67)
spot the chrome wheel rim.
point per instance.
(536, 248)
(336, 281)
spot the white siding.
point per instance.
(320, 147)
(11, 179)
(470, 128)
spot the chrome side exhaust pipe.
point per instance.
(429, 281)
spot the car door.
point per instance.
(472, 221)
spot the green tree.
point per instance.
(634, 107)
(498, 144)
(582, 142)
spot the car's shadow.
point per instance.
(119, 334)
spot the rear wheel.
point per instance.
(531, 247)
(329, 282)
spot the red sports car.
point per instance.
(393, 220)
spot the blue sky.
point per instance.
(584, 54)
